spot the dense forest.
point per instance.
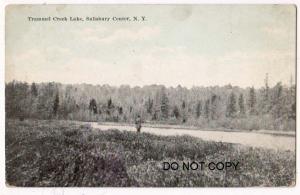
(228, 107)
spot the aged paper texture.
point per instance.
(150, 95)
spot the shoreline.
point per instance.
(159, 126)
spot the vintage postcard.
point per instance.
(150, 95)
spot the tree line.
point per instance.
(208, 107)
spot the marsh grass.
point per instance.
(60, 153)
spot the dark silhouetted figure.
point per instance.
(138, 123)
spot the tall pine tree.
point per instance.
(56, 104)
(34, 91)
(164, 104)
(242, 110)
(231, 106)
(198, 109)
(252, 101)
(213, 107)
(207, 109)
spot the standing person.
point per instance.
(138, 123)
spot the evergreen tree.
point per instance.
(213, 107)
(149, 105)
(157, 106)
(183, 105)
(56, 104)
(176, 112)
(164, 104)
(292, 100)
(184, 111)
(292, 113)
(120, 110)
(231, 106)
(199, 109)
(33, 100)
(109, 103)
(34, 91)
(252, 101)
(242, 105)
(278, 108)
(207, 109)
(93, 106)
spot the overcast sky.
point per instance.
(186, 45)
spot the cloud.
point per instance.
(166, 65)
(90, 31)
(27, 55)
(167, 50)
(155, 65)
(101, 35)
(21, 65)
(179, 65)
(249, 68)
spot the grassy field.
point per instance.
(59, 153)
